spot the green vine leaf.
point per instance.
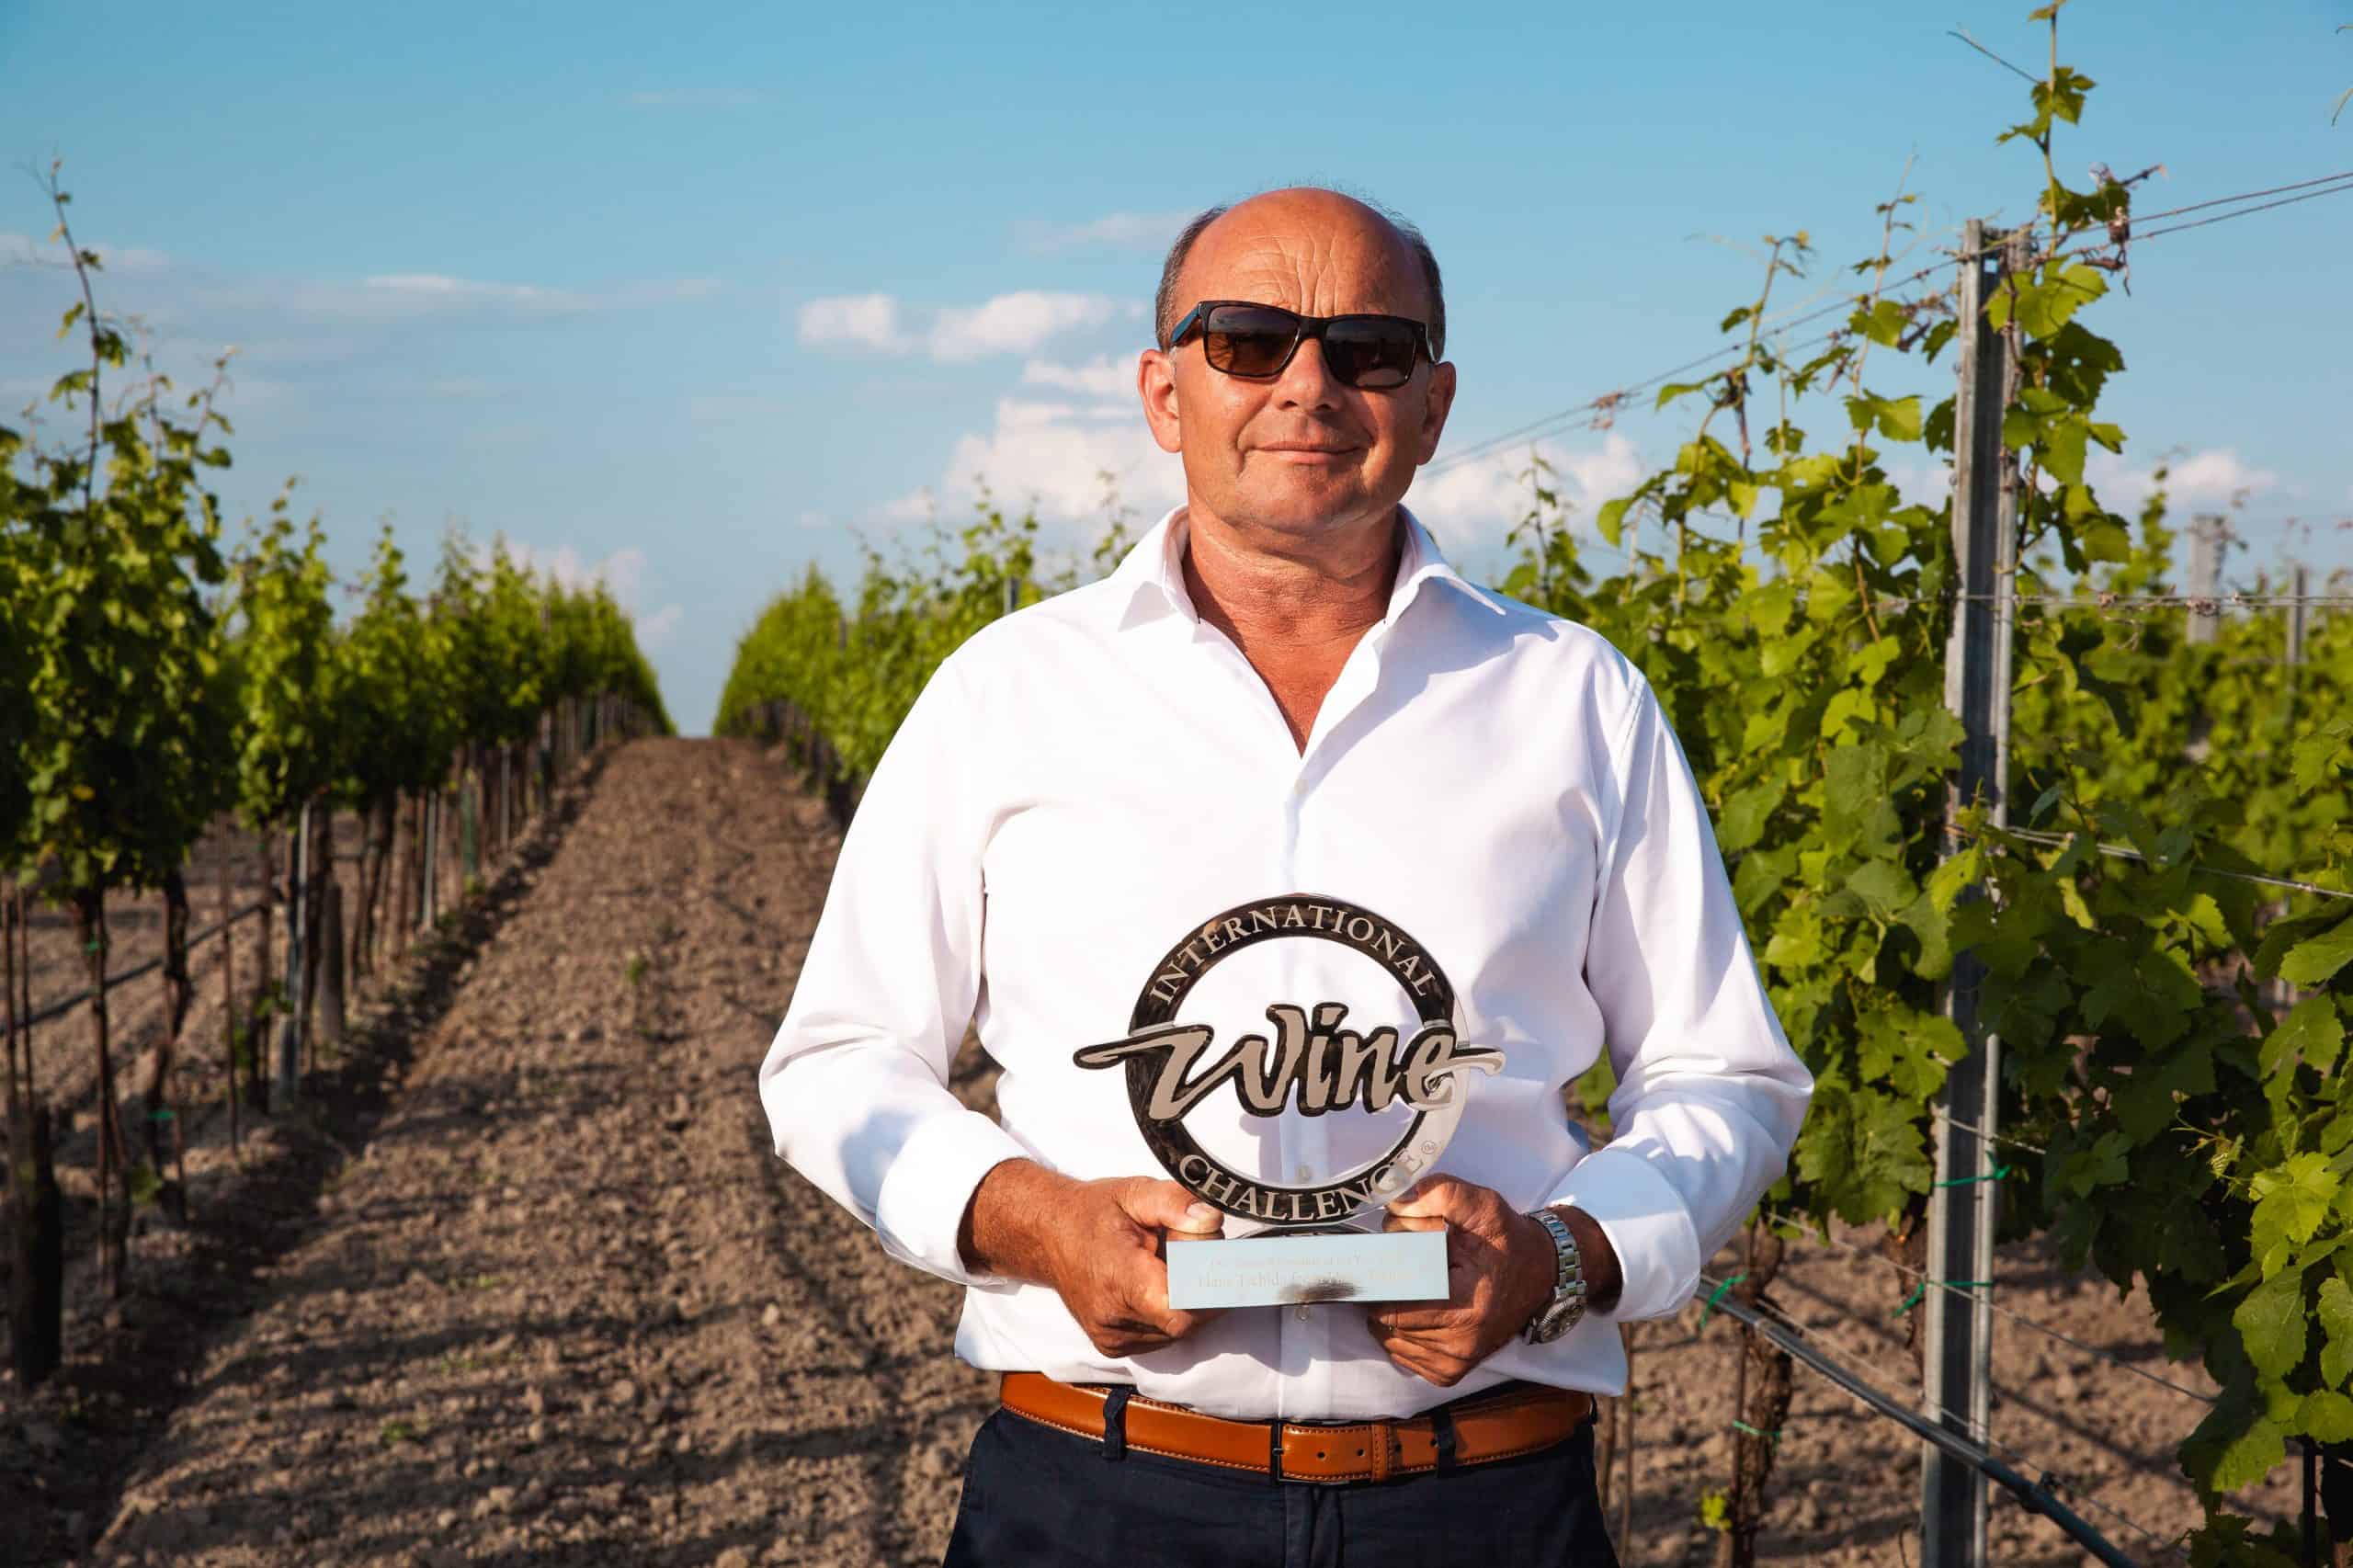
(2335, 1316)
(2317, 960)
(2311, 1031)
(2272, 1325)
(2291, 1202)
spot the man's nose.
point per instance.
(1307, 382)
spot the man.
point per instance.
(1283, 689)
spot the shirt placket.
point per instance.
(1302, 1143)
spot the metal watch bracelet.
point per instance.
(1562, 1313)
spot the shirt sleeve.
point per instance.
(856, 1083)
(1708, 1095)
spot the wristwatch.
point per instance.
(1562, 1313)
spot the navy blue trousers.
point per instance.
(1036, 1497)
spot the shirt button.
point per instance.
(1302, 1312)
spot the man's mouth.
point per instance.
(1306, 451)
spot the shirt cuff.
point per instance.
(1648, 1227)
(920, 1209)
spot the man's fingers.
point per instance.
(1418, 1360)
(1148, 1306)
(1164, 1205)
(1436, 1196)
(1419, 1320)
(1130, 1341)
(1179, 1324)
(1145, 1330)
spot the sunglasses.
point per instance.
(1255, 342)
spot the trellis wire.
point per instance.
(60, 1009)
(1776, 1217)
(2243, 196)
(2224, 217)
(2003, 1138)
(2125, 852)
(2035, 1497)
(2211, 603)
(1773, 1217)
(1615, 398)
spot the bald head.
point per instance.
(1299, 216)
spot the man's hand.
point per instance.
(1096, 1243)
(1500, 1265)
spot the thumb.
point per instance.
(1164, 1205)
(1433, 1197)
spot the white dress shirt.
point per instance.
(1087, 781)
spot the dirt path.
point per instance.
(542, 1295)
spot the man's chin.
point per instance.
(1306, 510)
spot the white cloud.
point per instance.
(1922, 483)
(1106, 375)
(1480, 500)
(439, 288)
(24, 250)
(695, 97)
(404, 297)
(862, 321)
(653, 631)
(2211, 478)
(1124, 231)
(1052, 454)
(622, 571)
(1018, 323)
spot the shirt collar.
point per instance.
(1149, 582)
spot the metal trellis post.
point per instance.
(1958, 1360)
(2206, 534)
(298, 935)
(2300, 588)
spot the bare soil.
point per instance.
(525, 1282)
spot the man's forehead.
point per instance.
(1320, 257)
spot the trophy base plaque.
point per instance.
(1289, 1268)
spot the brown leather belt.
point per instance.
(1516, 1420)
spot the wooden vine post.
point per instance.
(1763, 1386)
(229, 1004)
(1957, 1358)
(289, 1065)
(36, 1209)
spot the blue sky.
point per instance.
(698, 295)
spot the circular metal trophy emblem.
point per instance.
(1310, 1059)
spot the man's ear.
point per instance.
(1157, 385)
(1437, 403)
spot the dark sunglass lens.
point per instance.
(1248, 340)
(1371, 353)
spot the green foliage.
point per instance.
(288, 697)
(113, 685)
(855, 677)
(392, 684)
(148, 683)
(1793, 612)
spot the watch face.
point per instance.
(1560, 1320)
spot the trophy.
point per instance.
(1319, 1241)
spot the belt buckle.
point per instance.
(1382, 1448)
